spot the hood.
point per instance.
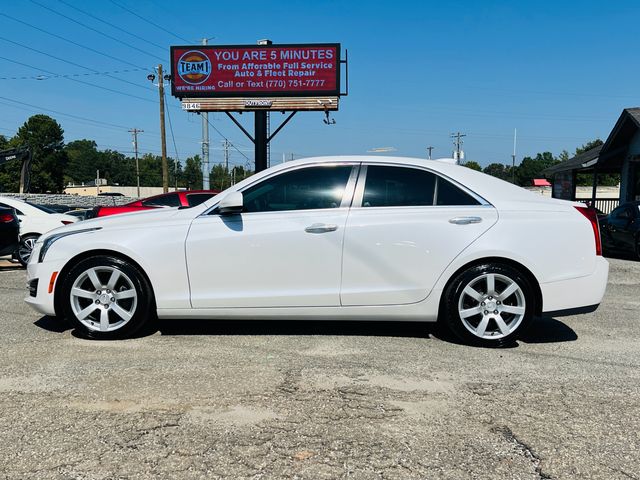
(129, 220)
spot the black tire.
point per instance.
(25, 248)
(142, 308)
(515, 324)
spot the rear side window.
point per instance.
(170, 200)
(194, 199)
(449, 194)
(398, 187)
(388, 186)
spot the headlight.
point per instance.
(48, 241)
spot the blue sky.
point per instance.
(558, 71)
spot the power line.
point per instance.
(37, 107)
(69, 41)
(95, 30)
(175, 148)
(114, 26)
(231, 143)
(76, 65)
(149, 21)
(52, 76)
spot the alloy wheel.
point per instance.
(492, 306)
(103, 298)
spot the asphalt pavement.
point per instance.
(321, 400)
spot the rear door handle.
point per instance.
(465, 220)
(321, 228)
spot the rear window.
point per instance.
(194, 199)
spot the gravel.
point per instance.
(321, 400)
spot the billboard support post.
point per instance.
(261, 140)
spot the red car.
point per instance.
(183, 198)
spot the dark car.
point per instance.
(9, 231)
(621, 230)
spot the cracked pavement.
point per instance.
(314, 400)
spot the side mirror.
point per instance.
(231, 204)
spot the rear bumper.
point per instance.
(576, 295)
(572, 311)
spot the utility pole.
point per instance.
(135, 132)
(163, 137)
(226, 144)
(458, 143)
(429, 148)
(513, 158)
(205, 144)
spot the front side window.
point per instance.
(302, 189)
(170, 200)
(388, 186)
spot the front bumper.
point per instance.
(576, 295)
(43, 301)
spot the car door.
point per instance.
(405, 226)
(284, 250)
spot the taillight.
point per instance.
(6, 218)
(65, 222)
(592, 216)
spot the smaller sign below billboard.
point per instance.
(212, 71)
(243, 104)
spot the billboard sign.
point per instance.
(224, 71)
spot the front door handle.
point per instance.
(321, 228)
(465, 220)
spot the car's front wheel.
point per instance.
(489, 305)
(105, 297)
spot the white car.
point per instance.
(34, 221)
(332, 238)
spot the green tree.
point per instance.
(83, 160)
(604, 179)
(531, 168)
(192, 175)
(589, 145)
(45, 137)
(497, 170)
(564, 156)
(473, 165)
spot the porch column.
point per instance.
(594, 190)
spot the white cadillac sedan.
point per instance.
(332, 238)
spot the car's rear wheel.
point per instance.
(25, 248)
(106, 297)
(489, 305)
